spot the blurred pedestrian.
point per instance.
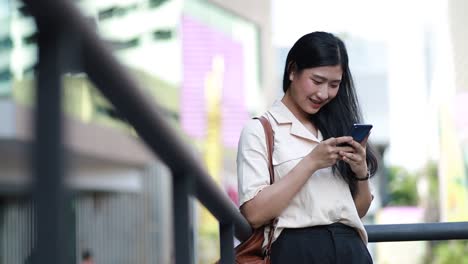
(87, 257)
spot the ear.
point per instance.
(291, 69)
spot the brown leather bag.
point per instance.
(250, 251)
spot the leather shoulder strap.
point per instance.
(269, 143)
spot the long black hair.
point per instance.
(336, 117)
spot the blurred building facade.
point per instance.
(453, 110)
(118, 187)
(207, 63)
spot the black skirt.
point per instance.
(330, 244)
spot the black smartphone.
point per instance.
(359, 131)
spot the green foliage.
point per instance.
(443, 252)
(450, 252)
(156, 3)
(402, 187)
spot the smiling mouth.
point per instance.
(315, 104)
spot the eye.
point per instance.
(335, 85)
(317, 82)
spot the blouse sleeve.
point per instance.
(252, 162)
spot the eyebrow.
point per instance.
(321, 78)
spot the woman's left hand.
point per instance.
(356, 159)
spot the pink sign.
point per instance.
(201, 43)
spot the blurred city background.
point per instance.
(211, 65)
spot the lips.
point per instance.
(315, 103)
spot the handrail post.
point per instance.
(181, 189)
(226, 239)
(48, 187)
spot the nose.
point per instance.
(322, 93)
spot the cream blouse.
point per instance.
(324, 199)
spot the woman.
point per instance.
(321, 188)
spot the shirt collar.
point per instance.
(283, 116)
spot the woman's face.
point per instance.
(313, 88)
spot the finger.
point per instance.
(348, 161)
(351, 156)
(357, 147)
(346, 149)
(331, 141)
(354, 144)
(341, 140)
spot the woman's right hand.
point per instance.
(326, 154)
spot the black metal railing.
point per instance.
(67, 40)
(417, 232)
